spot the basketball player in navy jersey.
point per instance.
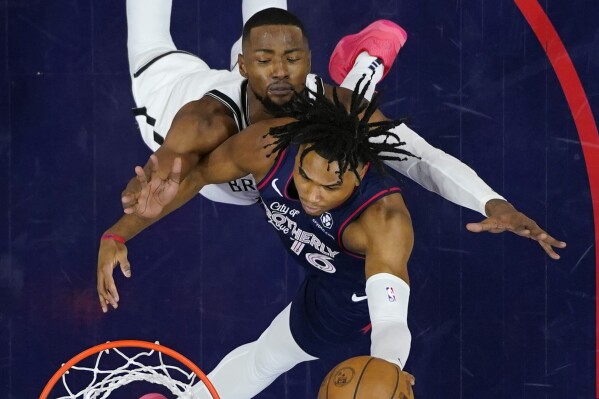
(324, 189)
(275, 63)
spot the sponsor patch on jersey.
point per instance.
(327, 220)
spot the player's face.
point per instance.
(276, 62)
(318, 184)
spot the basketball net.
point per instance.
(146, 362)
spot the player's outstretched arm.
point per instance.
(244, 153)
(383, 233)
(148, 198)
(457, 182)
(153, 199)
(198, 128)
(170, 194)
(434, 169)
(502, 216)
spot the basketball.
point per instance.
(365, 377)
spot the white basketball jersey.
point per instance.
(168, 82)
(243, 191)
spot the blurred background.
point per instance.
(491, 315)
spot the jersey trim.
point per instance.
(153, 60)
(244, 102)
(143, 111)
(229, 103)
(319, 85)
(272, 171)
(286, 190)
(357, 212)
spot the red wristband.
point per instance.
(111, 236)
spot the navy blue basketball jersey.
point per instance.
(316, 241)
(329, 310)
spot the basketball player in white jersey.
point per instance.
(185, 110)
(173, 88)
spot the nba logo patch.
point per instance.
(390, 294)
(327, 220)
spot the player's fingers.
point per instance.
(549, 250)
(474, 227)
(129, 198)
(523, 232)
(552, 241)
(541, 235)
(486, 226)
(113, 297)
(154, 166)
(525, 227)
(128, 205)
(411, 378)
(125, 266)
(141, 176)
(106, 297)
(175, 174)
(103, 303)
(534, 232)
(100, 289)
(131, 208)
(108, 287)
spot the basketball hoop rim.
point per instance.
(128, 343)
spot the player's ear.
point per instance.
(241, 62)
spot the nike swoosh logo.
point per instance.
(356, 298)
(274, 185)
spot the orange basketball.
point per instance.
(365, 377)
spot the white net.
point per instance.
(101, 378)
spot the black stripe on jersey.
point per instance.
(244, 102)
(319, 85)
(153, 60)
(143, 111)
(226, 100)
(158, 138)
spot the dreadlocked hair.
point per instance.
(339, 135)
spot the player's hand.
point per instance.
(504, 217)
(111, 254)
(146, 195)
(410, 377)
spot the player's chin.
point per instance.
(282, 99)
(312, 211)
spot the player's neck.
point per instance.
(256, 110)
(259, 111)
